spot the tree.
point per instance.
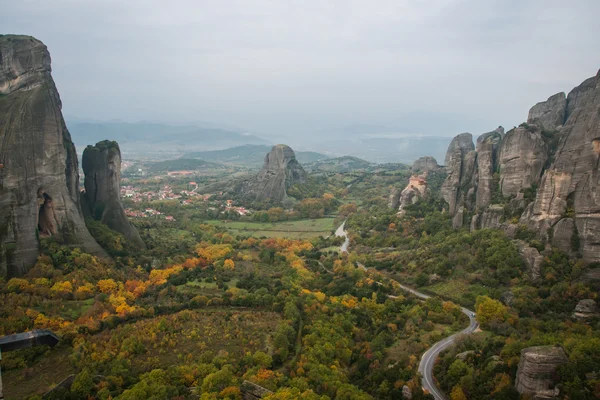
(490, 311)
(457, 393)
(229, 264)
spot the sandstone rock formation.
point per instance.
(394, 199)
(544, 174)
(102, 169)
(536, 369)
(523, 155)
(252, 391)
(585, 309)
(533, 259)
(415, 190)
(280, 171)
(425, 164)
(549, 114)
(572, 185)
(488, 146)
(39, 181)
(458, 189)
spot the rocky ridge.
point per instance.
(542, 175)
(39, 181)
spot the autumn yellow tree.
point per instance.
(229, 264)
(457, 393)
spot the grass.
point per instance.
(302, 229)
(459, 291)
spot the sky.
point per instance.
(433, 67)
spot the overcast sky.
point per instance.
(435, 67)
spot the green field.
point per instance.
(302, 229)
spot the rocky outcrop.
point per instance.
(549, 114)
(406, 392)
(252, 391)
(537, 366)
(586, 308)
(101, 200)
(564, 235)
(458, 188)
(572, 185)
(280, 171)
(523, 154)
(415, 190)
(489, 218)
(425, 164)
(394, 199)
(533, 259)
(39, 181)
(488, 146)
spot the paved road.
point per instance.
(429, 357)
(343, 233)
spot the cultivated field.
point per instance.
(302, 229)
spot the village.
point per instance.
(185, 197)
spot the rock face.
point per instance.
(572, 185)
(536, 369)
(39, 181)
(425, 164)
(102, 169)
(523, 155)
(414, 191)
(585, 309)
(457, 189)
(549, 114)
(544, 174)
(252, 391)
(280, 171)
(488, 146)
(394, 200)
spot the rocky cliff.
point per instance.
(39, 181)
(543, 174)
(537, 366)
(101, 200)
(458, 188)
(280, 171)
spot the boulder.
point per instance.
(425, 164)
(585, 309)
(39, 179)
(252, 391)
(465, 354)
(280, 171)
(522, 157)
(101, 200)
(406, 393)
(533, 260)
(549, 114)
(536, 369)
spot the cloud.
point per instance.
(437, 66)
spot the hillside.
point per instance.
(250, 155)
(340, 164)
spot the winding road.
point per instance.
(428, 359)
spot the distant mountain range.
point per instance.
(143, 136)
(250, 155)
